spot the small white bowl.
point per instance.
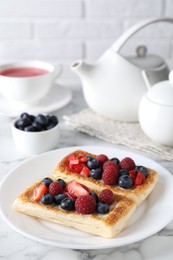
(35, 142)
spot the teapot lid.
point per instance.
(145, 61)
(162, 92)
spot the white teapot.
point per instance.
(114, 85)
(156, 112)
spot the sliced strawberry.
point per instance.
(75, 161)
(77, 168)
(39, 191)
(139, 178)
(71, 157)
(76, 189)
(83, 159)
(85, 171)
(68, 195)
(80, 155)
(133, 174)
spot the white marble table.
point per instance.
(14, 246)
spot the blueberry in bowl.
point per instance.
(35, 133)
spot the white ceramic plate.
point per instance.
(57, 98)
(152, 215)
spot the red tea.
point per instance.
(23, 72)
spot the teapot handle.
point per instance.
(135, 28)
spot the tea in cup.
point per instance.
(27, 83)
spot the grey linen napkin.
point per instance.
(120, 133)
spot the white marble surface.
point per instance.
(14, 246)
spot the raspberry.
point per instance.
(102, 158)
(85, 204)
(110, 176)
(107, 196)
(127, 163)
(139, 178)
(108, 164)
(55, 188)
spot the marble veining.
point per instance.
(14, 246)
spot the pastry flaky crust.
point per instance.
(138, 194)
(105, 225)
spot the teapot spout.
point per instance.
(81, 68)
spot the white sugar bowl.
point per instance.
(156, 112)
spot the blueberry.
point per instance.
(94, 195)
(52, 119)
(115, 160)
(67, 204)
(24, 115)
(50, 126)
(58, 198)
(62, 182)
(123, 172)
(47, 199)
(93, 163)
(41, 119)
(142, 169)
(22, 122)
(29, 128)
(125, 182)
(102, 208)
(47, 181)
(32, 118)
(37, 126)
(96, 173)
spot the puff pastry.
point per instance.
(138, 193)
(105, 225)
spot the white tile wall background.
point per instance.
(61, 31)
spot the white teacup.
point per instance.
(27, 83)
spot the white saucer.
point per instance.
(57, 98)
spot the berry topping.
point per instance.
(76, 189)
(110, 176)
(77, 168)
(58, 198)
(85, 204)
(93, 163)
(115, 160)
(62, 182)
(47, 199)
(68, 195)
(39, 191)
(85, 171)
(107, 196)
(109, 164)
(125, 182)
(133, 174)
(96, 173)
(142, 169)
(140, 177)
(127, 163)
(94, 195)
(55, 188)
(102, 158)
(123, 172)
(47, 181)
(102, 208)
(71, 157)
(67, 204)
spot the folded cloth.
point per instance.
(120, 133)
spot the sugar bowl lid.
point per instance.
(162, 92)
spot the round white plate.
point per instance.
(151, 216)
(57, 98)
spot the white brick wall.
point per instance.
(65, 30)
